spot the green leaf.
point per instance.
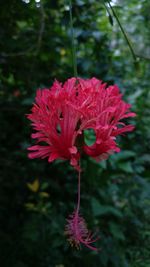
(100, 210)
(126, 167)
(21, 24)
(115, 230)
(123, 155)
(111, 20)
(11, 79)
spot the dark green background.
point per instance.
(35, 48)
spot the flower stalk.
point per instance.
(76, 228)
(74, 59)
(79, 189)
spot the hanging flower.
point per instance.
(62, 113)
(59, 118)
(78, 233)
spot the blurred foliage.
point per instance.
(36, 197)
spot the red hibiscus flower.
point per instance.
(62, 113)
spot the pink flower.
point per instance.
(59, 118)
(78, 233)
(62, 113)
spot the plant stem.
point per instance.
(74, 60)
(79, 187)
(109, 14)
(123, 31)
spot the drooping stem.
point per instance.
(79, 188)
(74, 60)
(76, 228)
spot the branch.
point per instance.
(109, 14)
(123, 32)
(135, 55)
